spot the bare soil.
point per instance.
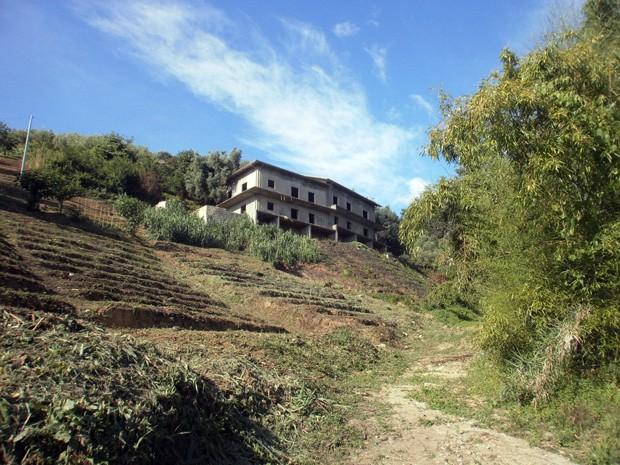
(417, 434)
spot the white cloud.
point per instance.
(415, 187)
(307, 113)
(379, 57)
(423, 103)
(346, 29)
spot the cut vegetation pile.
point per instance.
(70, 393)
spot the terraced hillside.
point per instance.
(110, 280)
(270, 350)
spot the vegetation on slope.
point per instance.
(528, 232)
(281, 248)
(112, 400)
(109, 165)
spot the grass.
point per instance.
(583, 416)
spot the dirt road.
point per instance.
(417, 434)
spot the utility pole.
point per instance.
(21, 171)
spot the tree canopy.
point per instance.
(528, 232)
(111, 164)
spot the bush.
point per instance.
(35, 183)
(61, 185)
(283, 249)
(132, 210)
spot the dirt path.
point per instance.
(418, 434)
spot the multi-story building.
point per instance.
(315, 206)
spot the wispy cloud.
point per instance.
(378, 55)
(345, 29)
(423, 103)
(304, 109)
(547, 17)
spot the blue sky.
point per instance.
(345, 89)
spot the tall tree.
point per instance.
(534, 213)
(390, 223)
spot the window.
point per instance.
(349, 206)
(311, 218)
(271, 183)
(244, 186)
(348, 225)
(294, 213)
(270, 206)
(311, 197)
(335, 200)
(335, 220)
(295, 192)
(365, 232)
(242, 209)
(365, 214)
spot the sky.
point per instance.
(346, 89)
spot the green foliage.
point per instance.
(280, 248)
(35, 183)
(112, 400)
(283, 249)
(110, 165)
(390, 222)
(206, 177)
(529, 229)
(8, 141)
(61, 185)
(49, 182)
(132, 210)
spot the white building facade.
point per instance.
(318, 207)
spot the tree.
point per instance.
(220, 166)
(7, 140)
(196, 179)
(61, 185)
(531, 223)
(35, 182)
(390, 223)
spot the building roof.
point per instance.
(318, 180)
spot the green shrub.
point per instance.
(132, 210)
(50, 182)
(35, 183)
(283, 249)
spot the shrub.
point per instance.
(132, 210)
(283, 249)
(35, 183)
(49, 182)
(61, 185)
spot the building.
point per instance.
(319, 207)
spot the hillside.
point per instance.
(124, 350)
(79, 301)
